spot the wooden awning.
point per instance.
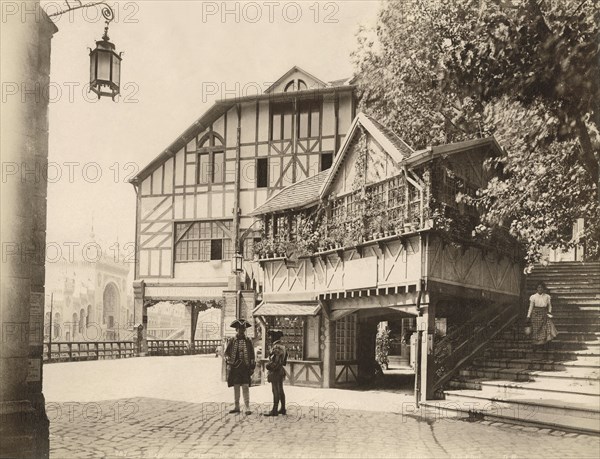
(287, 309)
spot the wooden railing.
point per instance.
(181, 346)
(75, 351)
(460, 346)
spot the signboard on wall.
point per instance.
(36, 318)
(360, 273)
(312, 337)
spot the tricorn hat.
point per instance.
(240, 323)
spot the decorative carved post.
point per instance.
(193, 311)
(328, 346)
(426, 325)
(140, 317)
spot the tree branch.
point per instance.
(587, 151)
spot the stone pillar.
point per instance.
(140, 317)
(26, 34)
(328, 349)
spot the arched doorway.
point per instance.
(110, 308)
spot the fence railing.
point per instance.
(76, 351)
(182, 346)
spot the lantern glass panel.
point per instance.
(104, 65)
(92, 66)
(116, 71)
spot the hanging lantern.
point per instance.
(105, 63)
(105, 69)
(238, 261)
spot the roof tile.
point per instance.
(294, 196)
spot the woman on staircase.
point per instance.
(540, 313)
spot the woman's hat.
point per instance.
(240, 323)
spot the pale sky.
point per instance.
(177, 54)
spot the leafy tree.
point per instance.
(525, 71)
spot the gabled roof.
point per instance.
(296, 196)
(223, 105)
(390, 142)
(287, 74)
(429, 153)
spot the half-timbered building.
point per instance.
(381, 236)
(194, 198)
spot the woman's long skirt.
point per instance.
(542, 327)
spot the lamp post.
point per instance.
(105, 61)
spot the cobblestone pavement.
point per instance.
(189, 419)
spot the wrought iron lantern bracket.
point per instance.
(105, 62)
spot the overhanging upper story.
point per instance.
(385, 219)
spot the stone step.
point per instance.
(523, 416)
(571, 389)
(564, 297)
(587, 327)
(540, 388)
(555, 345)
(576, 314)
(536, 386)
(517, 374)
(535, 278)
(584, 304)
(556, 355)
(556, 411)
(544, 365)
(583, 322)
(518, 334)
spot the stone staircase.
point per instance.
(555, 388)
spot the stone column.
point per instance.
(26, 34)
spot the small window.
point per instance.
(326, 161)
(219, 167)
(262, 172)
(210, 161)
(216, 249)
(282, 115)
(203, 241)
(204, 168)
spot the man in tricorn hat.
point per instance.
(239, 355)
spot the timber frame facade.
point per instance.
(381, 236)
(194, 198)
